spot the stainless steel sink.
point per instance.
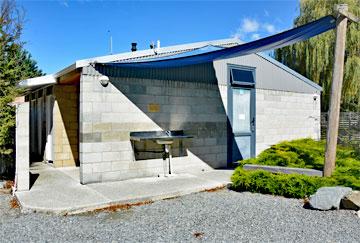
(164, 142)
(158, 135)
(164, 138)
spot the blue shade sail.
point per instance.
(285, 38)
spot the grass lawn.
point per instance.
(302, 153)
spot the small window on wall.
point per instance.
(240, 76)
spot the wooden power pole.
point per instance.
(342, 14)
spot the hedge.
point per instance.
(302, 153)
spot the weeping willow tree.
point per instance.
(314, 58)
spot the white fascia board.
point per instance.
(66, 70)
(45, 80)
(38, 81)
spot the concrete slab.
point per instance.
(59, 191)
(220, 175)
(282, 169)
(73, 172)
(56, 192)
(153, 189)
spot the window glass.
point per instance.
(241, 110)
(239, 75)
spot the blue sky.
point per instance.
(59, 32)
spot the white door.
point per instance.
(49, 151)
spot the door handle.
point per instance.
(253, 124)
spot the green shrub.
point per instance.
(288, 185)
(302, 153)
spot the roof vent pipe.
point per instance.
(152, 45)
(157, 47)
(133, 46)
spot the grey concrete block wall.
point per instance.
(285, 106)
(22, 173)
(109, 114)
(285, 110)
(282, 115)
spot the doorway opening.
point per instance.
(241, 113)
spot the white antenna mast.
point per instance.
(111, 46)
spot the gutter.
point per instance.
(38, 81)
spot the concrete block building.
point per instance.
(233, 108)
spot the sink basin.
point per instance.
(165, 138)
(166, 142)
(158, 135)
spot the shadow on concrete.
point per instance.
(33, 178)
(55, 191)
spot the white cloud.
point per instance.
(253, 29)
(64, 3)
(249, 25)
(255, 36)
(266, 13)
(237, 35)
(269, 28)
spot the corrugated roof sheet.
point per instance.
(179, 54)
(189, 49)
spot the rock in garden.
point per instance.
(327, 198)
(351, 201)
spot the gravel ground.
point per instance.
(209, 216)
